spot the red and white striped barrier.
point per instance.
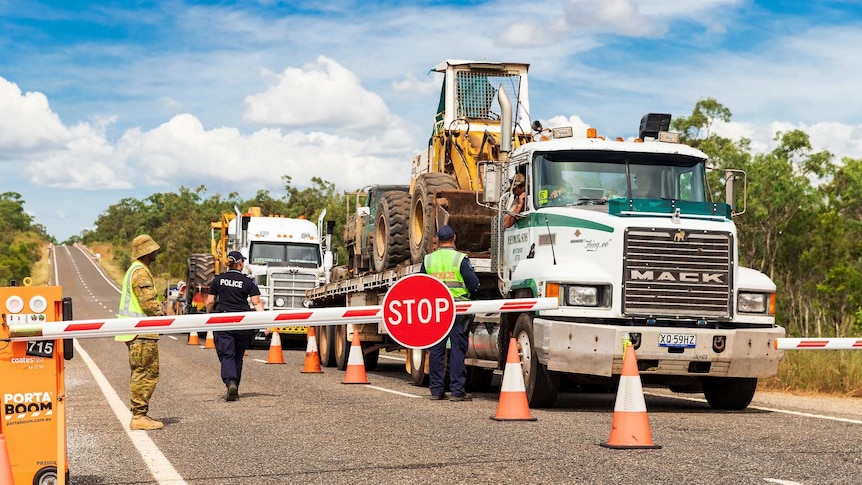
(204, 322)
(818, 343)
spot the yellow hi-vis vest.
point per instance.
(445, 265)
(130, 307)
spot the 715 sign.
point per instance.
(40, 348)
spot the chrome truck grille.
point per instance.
(290, 286)
(677, 273)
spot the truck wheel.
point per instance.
(729, 393)
(479, 379)
(417, 366)
(390, 231)
(422, 223)
(341, 346)
(541, 385)
(325, 340)
(370, 359)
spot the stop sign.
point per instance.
(418, 311)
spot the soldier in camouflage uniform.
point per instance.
(138, 299)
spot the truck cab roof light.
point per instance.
(592, 133)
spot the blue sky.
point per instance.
(105, 100)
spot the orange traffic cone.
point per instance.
(355, 364)
(5, 463)
(210, 341)
(630, 424)
(276, 356)
(312, 358)
(513, 405)
(194, 339)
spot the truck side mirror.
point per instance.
(363, 211)
(492, 180)
(731, 179)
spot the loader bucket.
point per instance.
(471, 221)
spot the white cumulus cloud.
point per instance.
(323, 94)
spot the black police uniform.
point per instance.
(232, 290)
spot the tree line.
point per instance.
(20, 239)
(801, 223)
(180, 222)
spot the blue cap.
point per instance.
(235, 256)
(446, 233)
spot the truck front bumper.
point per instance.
(583, 348)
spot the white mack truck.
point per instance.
(623, 233)
(285, 257)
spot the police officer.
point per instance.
(138, 299)
(230, 292)
(453, 269)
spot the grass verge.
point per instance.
(833, 372)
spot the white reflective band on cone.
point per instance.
(204, 322)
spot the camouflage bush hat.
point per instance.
(143, 245)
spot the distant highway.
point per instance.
(289, 427)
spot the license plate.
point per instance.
(684, 340)
(40, 348)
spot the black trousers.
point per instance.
(230, 348)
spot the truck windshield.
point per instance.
(304, 255)
(594, 177)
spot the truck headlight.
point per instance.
(581, 296)
(762, 303)
(279, 302)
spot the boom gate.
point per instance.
(32, 387)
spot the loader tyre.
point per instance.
(390, 242)
(200, 273)
(541, 384)
(423, 223)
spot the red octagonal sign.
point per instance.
(418, 311)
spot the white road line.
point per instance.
(772, 410)
(160, 468)
(100, 270)
(395, 392)
(781, 482)
(259, 360)
(390, 357)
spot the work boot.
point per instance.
(145, 423)
(465, 397)
(232, 391)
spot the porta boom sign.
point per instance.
(418, 311)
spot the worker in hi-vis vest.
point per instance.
(455, 271)
(139, 299)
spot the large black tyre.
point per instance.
(417, 359)
(370, 358)
(200, 272)
(325, 345)
(541, 384)
(341, 347)
(390, 245)
(729, 393)
(422, 223)
(479, 379)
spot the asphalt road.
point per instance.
(289, 427)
